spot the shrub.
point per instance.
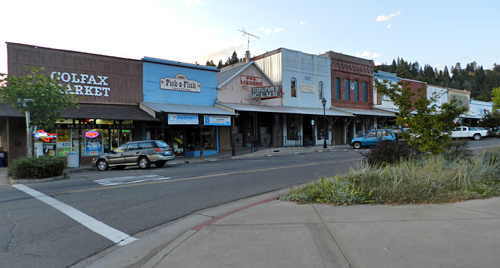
(389, 152)
(330, 191)
(456, 151)
(36, 168)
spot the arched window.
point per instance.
(293, 87)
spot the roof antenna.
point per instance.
(249, 34)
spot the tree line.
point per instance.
(231, 60)
(473, 77)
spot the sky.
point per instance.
(438, 32)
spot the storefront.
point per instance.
(109, 90)
(182, 97)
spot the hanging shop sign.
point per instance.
(216, 120)
(84, 84)
(266, 92)
(180, 83)
(250, 80)
(183, 119)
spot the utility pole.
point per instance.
(29, 138)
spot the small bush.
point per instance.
(329, 191)
(389, 152)
(36, 168)
(456, 151)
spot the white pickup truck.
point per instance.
(469, 132)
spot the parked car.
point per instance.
(141, 153)
(469, 132)
(371, 137)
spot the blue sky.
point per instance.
(437, 33)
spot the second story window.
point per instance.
(356, 91)
(293, 86)
(337, 88)
(347, 89)
(365, 92)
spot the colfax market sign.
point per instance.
(84, 84)
(180, 83)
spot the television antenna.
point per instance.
(249, 34)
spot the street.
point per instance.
(44, 231)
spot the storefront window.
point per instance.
(92, 142)
(292, 128)
(208, 138)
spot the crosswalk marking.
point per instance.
(96, 226)
(129, 180)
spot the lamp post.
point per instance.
(323, 101)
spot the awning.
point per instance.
(280, 109)
(110, 112)
(152, 107)
(472, 116)
(365, 112)
(7, 111)
(383, 109)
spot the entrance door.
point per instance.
(321, 131)
(179, 143)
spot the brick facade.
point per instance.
(354, 69)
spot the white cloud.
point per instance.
(437, 66)
(387, 18)
(377, 63)
(277, 30)
(268, 31)
(303, 22)
(388, 26)
(262, 28)
(367, 54)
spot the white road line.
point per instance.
(129, 180)
(94, 225)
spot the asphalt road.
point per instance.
(35, 234)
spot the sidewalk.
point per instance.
(263, 233)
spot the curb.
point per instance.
(23, 181)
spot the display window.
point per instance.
(208, 139)
(61, 142)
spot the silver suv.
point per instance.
(142, 153)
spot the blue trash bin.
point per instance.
(2, 159)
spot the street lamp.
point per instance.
(323, 101)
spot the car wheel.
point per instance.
(357, 145)
(476, 137)
(160, 164)
(144, 162)
(102, 165)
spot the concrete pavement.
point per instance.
(265, 232)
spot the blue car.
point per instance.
(372, 137)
